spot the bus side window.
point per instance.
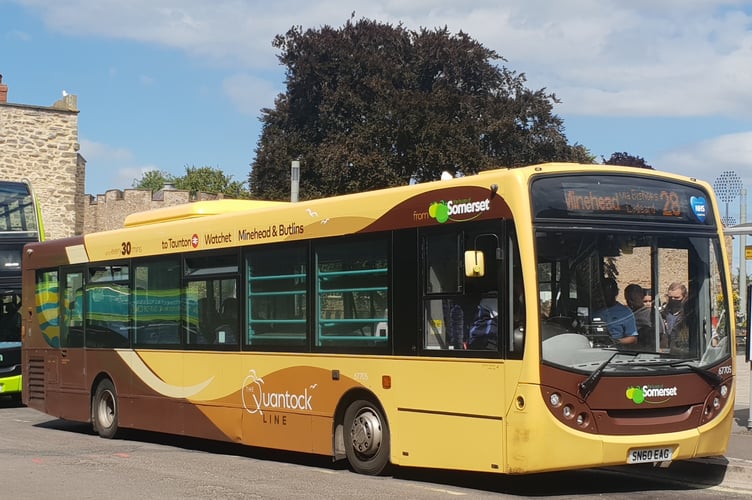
(461, 272)
(447, 312)
(277, 296)
(71, 332)
(157, 303)
(352, 293)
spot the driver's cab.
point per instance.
(589, 280)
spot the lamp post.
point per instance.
(294, 180)
(743, 257)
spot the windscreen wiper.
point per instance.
(712, 378)
(588, 385)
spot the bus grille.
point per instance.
(35, 375)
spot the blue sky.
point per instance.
(167, 84)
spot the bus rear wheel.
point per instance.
(104, 410)
(366, 438)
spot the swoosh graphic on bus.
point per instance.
(137, 365)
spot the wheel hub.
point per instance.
(366, 433)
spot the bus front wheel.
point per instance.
(366, 438)
(104, 410)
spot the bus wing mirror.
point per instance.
(475, 266)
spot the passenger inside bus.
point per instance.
(619, 319)
(675, 317)
(647, 297)
(226, 332)
(644, 314)
(484, 330)
(207, 318)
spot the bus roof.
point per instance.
(197, 209)
(222, 224)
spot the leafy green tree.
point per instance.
(195, 180)
(626, 160)
(153, 180)
(372, 105)
(210, 180)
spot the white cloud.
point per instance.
(607, 57)
(19, 35)
(109, 167)
(96, 152)
(707, 159)
(249, 93)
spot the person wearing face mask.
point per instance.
(673, 314)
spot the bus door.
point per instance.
(72, 361)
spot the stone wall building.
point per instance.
(108, 211)
(40, 144)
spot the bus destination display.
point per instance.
(619, 197)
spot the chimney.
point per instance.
(3, 91)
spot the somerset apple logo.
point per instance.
(439, 211)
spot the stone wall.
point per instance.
(41, 144)
(634, 267)
(108, 211)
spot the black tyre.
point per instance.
(366, 438)
(104, 410)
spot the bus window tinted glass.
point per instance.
(72, 327)
(277, 296)
(47, 303)
(464, 313)
(156, 303)
(17, 209)
(211, 313)
(352, 293)
(107, 306)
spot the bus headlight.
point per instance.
(582, 419)
(567, 411)
(724, 390)
(555, 399)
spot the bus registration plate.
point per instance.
(647, 455)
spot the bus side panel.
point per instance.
(454, 441)
(713, 439)
(292, 408)
(236, 397)
(140, 405)
(35, 377)
(447, 413)
(538, 442)
(43, 389)
(200, 420)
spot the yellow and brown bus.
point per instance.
(458, 324)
